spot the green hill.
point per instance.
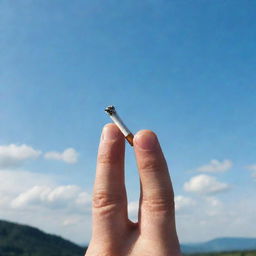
(244, 253)
(22, 240)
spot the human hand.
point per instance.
(113, 234)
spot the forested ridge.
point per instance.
(245, 253)
(23, 240)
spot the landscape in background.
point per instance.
(23, 240)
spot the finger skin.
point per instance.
(155, 233)
(157, 221)
(109, 197)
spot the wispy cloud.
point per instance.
(183, 203)
(205, 184)
(15, 155)
(38, 200)
(69, 197)
(252, 168)
(215, 166)
(69, 155)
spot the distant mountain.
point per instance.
(22, 240)
(221, 245)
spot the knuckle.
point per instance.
(102, 199)
(106, 203)
(105, 158)
(162, 204)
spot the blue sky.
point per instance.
(185, 69)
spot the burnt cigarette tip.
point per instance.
(110, 110)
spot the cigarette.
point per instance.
(111, 111)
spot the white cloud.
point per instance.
(252, 167)
(205, 184)
(69, 155)
(213, 206)
(38, 200)
(183, 203)
(70, 197)
(65, 209)
(213, 201)
(14, 155)
(83, 199)
(133, 209)
(215, 166)
(14, 182)
(70, 221)
(212, 218)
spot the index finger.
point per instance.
(109, 197)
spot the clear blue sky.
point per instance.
(184, 69)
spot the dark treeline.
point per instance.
(22, 240)
(245, 253)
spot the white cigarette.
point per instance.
(111, 111)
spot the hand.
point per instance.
(113, 233)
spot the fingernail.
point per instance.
(146, 140)
(109, 134)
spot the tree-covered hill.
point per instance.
(22, 240)
(244, 253)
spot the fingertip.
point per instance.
(144, 131)
(146, 140)
(110, 126)
(110, 132)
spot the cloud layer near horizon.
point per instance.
(65, 209)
